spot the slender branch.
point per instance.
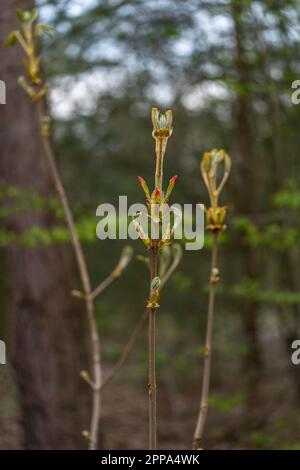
(197, 442)
(127, 350)
(170, 271)
(86, 285)
(152, 355)
(97, 372)
(124, 260)
(102, 286)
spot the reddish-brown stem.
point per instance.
(102, 286)
(197, 442)
(152, 354)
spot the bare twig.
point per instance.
(215, 217)
(102, 286)
(124, 260)
(171, 269)
(127, 350)
(208, 348)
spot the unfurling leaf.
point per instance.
(85, 376)
(43, 28)
(144, 186)
(27, 16)
(11, 39)
(157, 196)
(209, 169)
(171, 185)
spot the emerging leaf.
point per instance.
(27, 16)
(157, 196)
(171, 186)
(144, 186)
(11, 39)
(43, 28)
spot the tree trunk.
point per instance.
(47, 337)
(247, 199)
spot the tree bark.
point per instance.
(47, 340)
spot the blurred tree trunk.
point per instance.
(47, 337)
(247, 198)
(288, 278)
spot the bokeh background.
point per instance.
(226, 68)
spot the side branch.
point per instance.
(127, 350)
(124, 260)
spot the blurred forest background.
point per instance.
(226, 68)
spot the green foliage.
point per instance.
(234, 349)
(162, 358)
(11, 39)
(289, 446)
(288, 197)
(273, 236)
(86, 229)
(262, 440)
(181, 281)
(14, 200)
(34, 236)
(43, 28)
(225, 405)
(250, 289)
